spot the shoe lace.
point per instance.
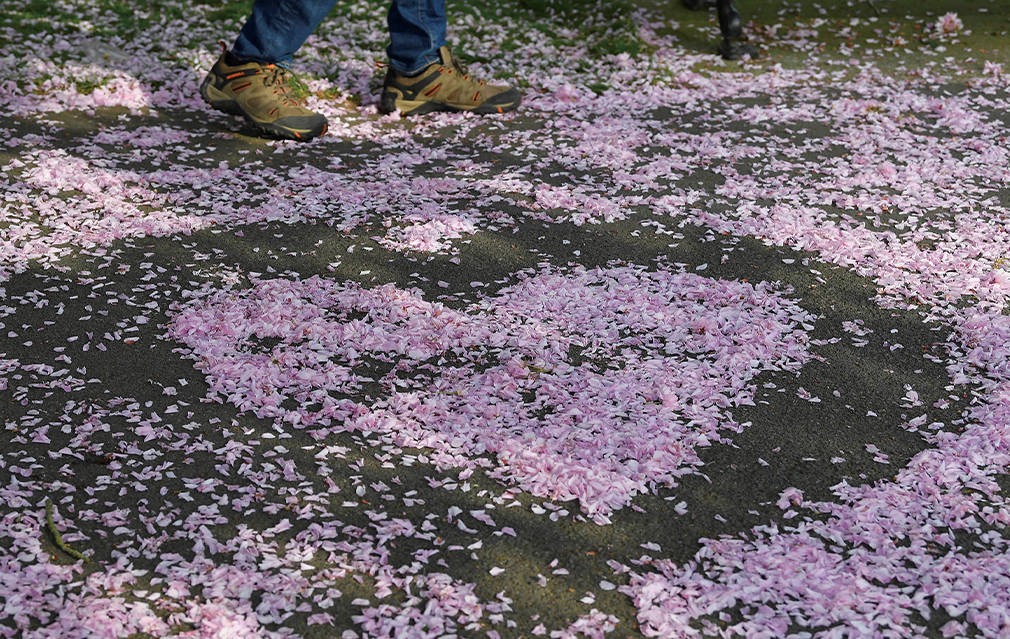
(277, 76)
(457, 64)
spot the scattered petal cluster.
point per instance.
(592, 386)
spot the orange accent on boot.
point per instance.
(430, 92)
(241, 87)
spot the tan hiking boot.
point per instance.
(261, 94)
(445, 86)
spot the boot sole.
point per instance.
(221, 102)
(389, 103)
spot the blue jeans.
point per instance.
(278, 28)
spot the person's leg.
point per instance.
(424, 76)
(731, 26)
(416, 33)
(278, 28)
(251, 80)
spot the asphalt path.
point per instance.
(736, 491)
(136, 427)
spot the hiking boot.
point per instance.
(445, 86)
(261, 94)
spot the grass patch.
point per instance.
(234, 11)
(894, 31)
(605, 27)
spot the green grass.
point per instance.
(236, 10)
(113, 17)
(606, 38)
(846, 29)
(880, 24)
(606, 28)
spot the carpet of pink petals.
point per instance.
(666, 352)
(570, 384)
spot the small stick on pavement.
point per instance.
(873, 6)
(62, 545)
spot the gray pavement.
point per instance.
(212, 520)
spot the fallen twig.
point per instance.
(62, 545)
